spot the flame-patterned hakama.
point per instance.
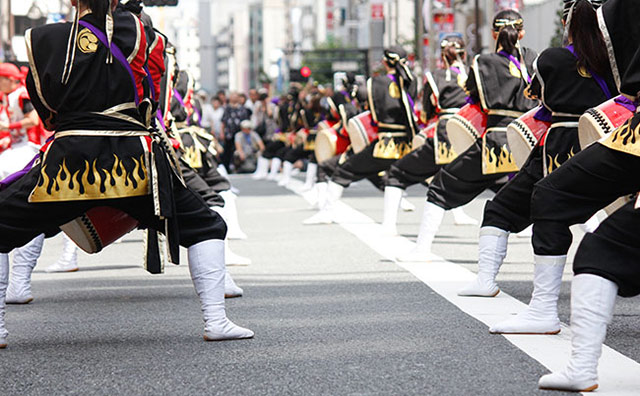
(566, 93)
(498, 84)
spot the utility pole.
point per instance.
(419, 29)
(478, 46)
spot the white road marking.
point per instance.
(618, 374)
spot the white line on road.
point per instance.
(618, 374)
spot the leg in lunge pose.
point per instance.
(68, 262)
(24, 261)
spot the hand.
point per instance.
(4, 125)
(242, 156)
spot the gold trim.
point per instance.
(476, 73)
(34, 71)
(372, 107)
(610, 52)
(505, 113)
(391, 134)
(407, 107)
(81, 132)
(391, 126)
(136, 49)
(560, 114)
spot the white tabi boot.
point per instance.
(4, 280)
(541, 316)
(206, 265)
(231, 290)
(461, 218)
(592, 302)
(223, 171)
(310, 177)
(431, 219)
(230, 215)
(275, 168)
(326, 215)
(262, 169)
(230, 258)
(492, 249)
(24, 260)
(68, 262)
(287, 168)
(392, 199)
(319, 195)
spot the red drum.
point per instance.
(421, 137)
(466, 126)
(99, 227)
(601, 120)
(361, 131)
(329, 143)
(326, 124)
(524, 133)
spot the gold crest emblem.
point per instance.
(87, 41)
(394, 91)
(584, 72)
(513, 69)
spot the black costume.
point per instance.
(567, 94)
(497, 81)
(102, 153)
(445, 88)
(391, 105)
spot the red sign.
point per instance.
(377, 11)
(305, 72)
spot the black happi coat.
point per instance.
(101, 145)
(567, 92)
(498, 85)
(391, 109)
(443, 96)
(619, 25)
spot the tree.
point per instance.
(556, 40)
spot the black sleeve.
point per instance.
(27, 106)
(428, 107)
(471, 87)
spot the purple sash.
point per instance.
(116, 52)
(7, 181)
(626, 103)
(515, 62)
(599, 80)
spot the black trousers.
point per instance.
(613, 251)
(227, 154)
(327, 168)
(510, 209)
(461, 180)
(272, 149)
(214, 179)
(21, 221)
(362, 166)
(586, 183)
(293, 154)
(195, 182)
(413, 168)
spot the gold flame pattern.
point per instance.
(500, 163)
(445, 153)
(625, 139)
(389, 149)
(92, 182)
(193, 157)
(553, 163)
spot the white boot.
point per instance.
(326, 214)
(405, 205)
(68, 262)
(4, 280)
(275, 168)
(310, 177)
(262, 169)
(230, 215)
(230, 258)
(461, 218)
(592, 224)
(206, 265)
(287, 168)
(541, 316)
(24, 260)
(319, 195)
(592, 302)
(223, 171)
(492, 249)
(231, 290)
(526, 233)
(392, 199)
(431, 219)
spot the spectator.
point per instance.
(263, 115)
(249, 147)
(233, 115)
(222, 97)
(253, 99)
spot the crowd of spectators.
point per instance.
(241, 123)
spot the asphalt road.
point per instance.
(331, 317)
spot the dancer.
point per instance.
(442, 97)
(567, 94)
(497, 81)
(391, 105)
(102, 126)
